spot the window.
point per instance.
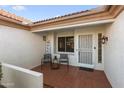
(66, 44)
(99, 48)
(61, 44)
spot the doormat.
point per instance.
(86, 69)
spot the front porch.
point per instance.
(81, 44)
(72, 78)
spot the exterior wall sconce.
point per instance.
(104, 39)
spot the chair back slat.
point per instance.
(63, 56)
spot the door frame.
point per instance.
(77, 51)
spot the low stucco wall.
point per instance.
(17, 77)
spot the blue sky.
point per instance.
(40, 12)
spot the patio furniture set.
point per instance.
(55, 62)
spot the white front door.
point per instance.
(85, 51)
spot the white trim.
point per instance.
(77, 25)
(22, 69)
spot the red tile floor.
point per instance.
(72, 77)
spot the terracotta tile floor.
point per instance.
(72, 78)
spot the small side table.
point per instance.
(55, 63)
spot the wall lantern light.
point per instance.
(104, 39)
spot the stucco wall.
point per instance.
(20, 47)
(114, 52)
(17, 77)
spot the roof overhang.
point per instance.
(13, 23)
(77, 25)
(71, 16)
(104, 14)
